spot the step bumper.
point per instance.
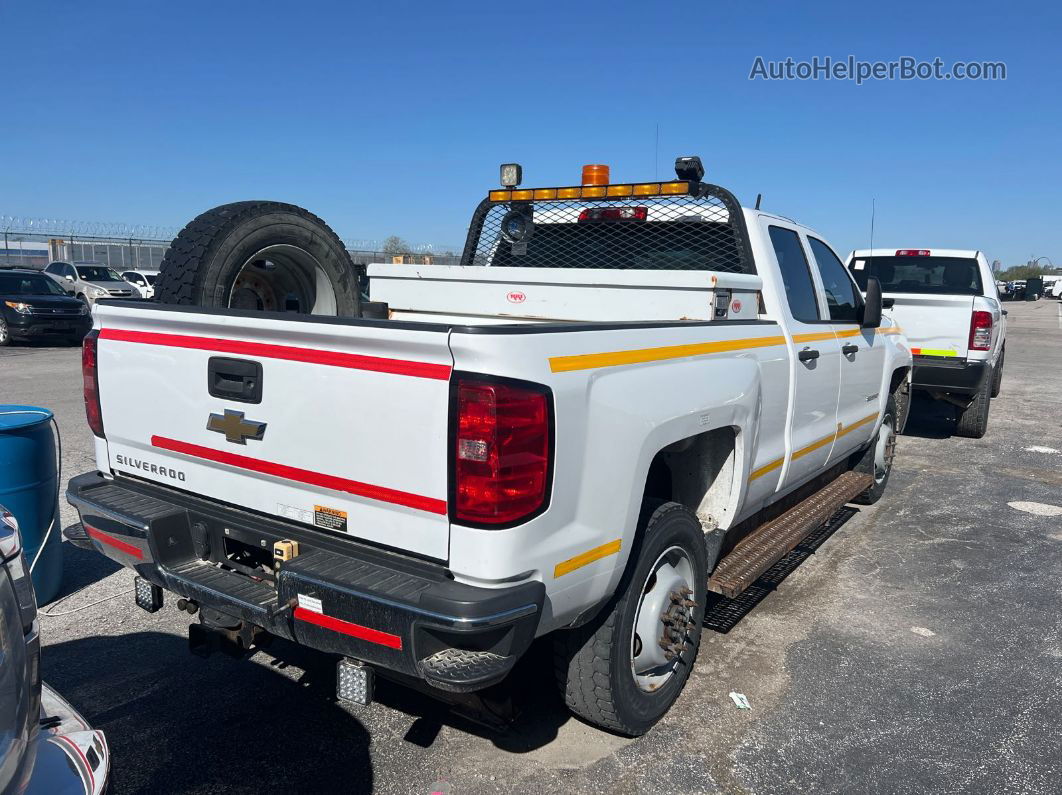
(392, 611)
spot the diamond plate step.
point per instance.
(769, 542)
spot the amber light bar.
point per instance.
(591, 192)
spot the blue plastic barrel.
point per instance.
(28, 479)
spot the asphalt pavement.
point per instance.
(915, 648)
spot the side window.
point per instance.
(796, 275)
(841, 296)
(68, 270)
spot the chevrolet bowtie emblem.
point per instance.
(235, 427)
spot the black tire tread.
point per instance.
(178, 280)
(972, 422)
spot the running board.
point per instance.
(771, 541)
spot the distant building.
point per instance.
(24, 253)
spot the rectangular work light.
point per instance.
(354, 682)
(148, 596)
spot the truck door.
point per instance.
(815, 362)
(862, 352)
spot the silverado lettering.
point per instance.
(144, 466)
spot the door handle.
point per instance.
(808, 354)
(849, 350)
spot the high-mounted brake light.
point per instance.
(981, 331)
(913, 252)
(501, 451)
(615, 214)
(91, 381)
(595, 174)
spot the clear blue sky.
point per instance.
(391, 117)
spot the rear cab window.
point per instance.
(796, 274)
(926, 275)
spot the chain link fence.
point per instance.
(34, 242)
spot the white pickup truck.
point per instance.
(946, 302)
(631, 398)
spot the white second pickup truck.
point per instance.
(946, 302)
(630, 399)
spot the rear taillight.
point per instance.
(913, 252)
(981, 331)
(615, 214)
(501, 451)
(91, 381)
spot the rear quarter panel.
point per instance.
(611, 420)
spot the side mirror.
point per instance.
(888, 303)
(872, 306)
(69, 278)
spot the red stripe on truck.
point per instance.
(121, 546)
(353, 361)
(349, 628)
(309, 477)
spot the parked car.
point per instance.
(91, 281)
(45, 745)
(945, 301)
(32, 306)
(143, 280)
(567, 436)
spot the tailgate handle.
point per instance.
(235, 379)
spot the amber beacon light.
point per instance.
(595, 174)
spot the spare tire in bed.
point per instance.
(260, 255)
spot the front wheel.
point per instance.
(624, 670)
(5, 333)
(877, 459)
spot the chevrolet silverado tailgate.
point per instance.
(336, 424)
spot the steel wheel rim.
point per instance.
(670, 573)
(283, 278)
(884, 449)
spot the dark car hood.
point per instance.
(44, 301)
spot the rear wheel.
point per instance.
(877, 459)
(624, 669)
(973, 420)
(997, 374)
(5, 333)
(260, 255)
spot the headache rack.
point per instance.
(682, 225)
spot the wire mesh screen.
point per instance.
(652, 232)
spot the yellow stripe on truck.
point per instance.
(571, 564)
(591, 361)
(803, 451)
(932, 352)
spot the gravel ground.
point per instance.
(918, 650)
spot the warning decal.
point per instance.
(330, 518)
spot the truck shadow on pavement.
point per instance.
(930, 419)
(178, 723)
